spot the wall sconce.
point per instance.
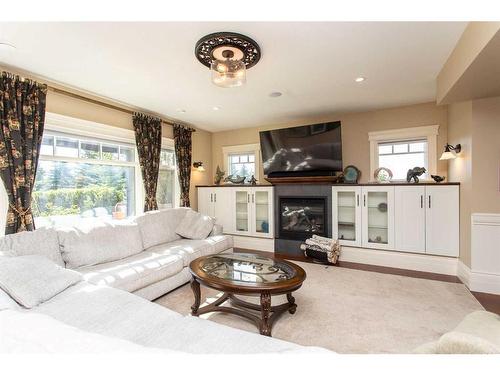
(198, 165)
(450, 152)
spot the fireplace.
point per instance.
(301, 217)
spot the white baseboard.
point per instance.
(477, 281)
(254, 243)
(415, 262)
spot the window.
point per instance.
(242, 164)
(165, 191)
(80, 179)
(401, 156)
(404, 148)
(243, 160)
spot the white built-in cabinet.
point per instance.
(409, 218)
(242, 210)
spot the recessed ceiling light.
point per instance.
(275, 94)
(181, 110)
(215, 108)
(360, 79)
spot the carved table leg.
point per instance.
(195, 286)
(265, 308)
(291, 301)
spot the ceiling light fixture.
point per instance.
(360, 79)
(450, 152)
(228, 55)
(215, 108)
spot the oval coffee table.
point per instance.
(250, 275)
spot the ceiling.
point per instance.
(314, 65)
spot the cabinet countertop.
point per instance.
(427, 183)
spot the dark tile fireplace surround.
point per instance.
(301, 210)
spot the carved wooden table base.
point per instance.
(268, 313)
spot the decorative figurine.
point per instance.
(235, 179)
(253, 180)
(414, 173)
(438, 179)
(219, 175)
(383, 175)
(351, 174)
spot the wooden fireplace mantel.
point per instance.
(303, 180)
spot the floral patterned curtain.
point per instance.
(148, 141)
(22, 117)
(182, 140)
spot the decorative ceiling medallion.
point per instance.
(244, 48)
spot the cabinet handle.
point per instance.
(215, 197)
(364, 200)
(429, 201)
(421, 201)
(211, 197)
(357, 197)
(253, 198)
(248, 198)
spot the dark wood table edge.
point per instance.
(268, 313)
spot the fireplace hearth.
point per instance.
(301, 217)
(300, 211)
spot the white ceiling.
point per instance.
(152, 66)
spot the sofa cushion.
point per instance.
(7, 303)
(195, 226)
(33, 279)
(159, 226)
(192, 249)
(42, 241)
(134, 272)
(99, 243)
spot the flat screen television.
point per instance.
(302, 151)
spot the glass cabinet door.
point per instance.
(262, 200)
(378, 217)
(378, 230)
(242, 213)
(346, 214)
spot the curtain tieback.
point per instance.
(22, 213)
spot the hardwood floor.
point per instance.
(490, 302)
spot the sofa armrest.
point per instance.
(217, 230)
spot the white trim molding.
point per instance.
(484, 272)
(253, 243)
(240, 149)
(415, 262)
(418, 132)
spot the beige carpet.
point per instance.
(351, 311)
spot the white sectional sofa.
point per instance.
(102, 311)
(144, 256)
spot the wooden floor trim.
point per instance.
(490, 302)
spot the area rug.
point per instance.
(353, 311)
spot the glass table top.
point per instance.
(247, 268)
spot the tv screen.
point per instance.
(304, 149)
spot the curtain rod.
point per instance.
(107, 105)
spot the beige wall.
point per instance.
(476, 126)
(460, 169)
(453, 81)
(355, 128)
(68, 106)
(486, 155)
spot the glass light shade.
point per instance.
(447, 155)
(228, 73)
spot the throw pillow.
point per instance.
(33, 279)
(195, 226)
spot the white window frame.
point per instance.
(252, 148)
(74, 126)
(428, 133)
